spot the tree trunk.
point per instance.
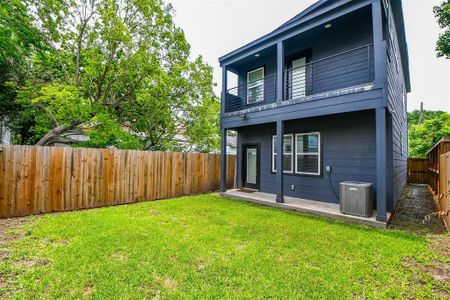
(53, 135)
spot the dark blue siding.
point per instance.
(344, 70)
(326, 105)
(396, 93)
(345, 117)
(348, 147)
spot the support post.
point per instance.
(280, 71)
(224, 89)
(279, 162)
(379, 45)
(380, 117)
(223, 162)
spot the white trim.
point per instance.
(292, 152)
(308, 153)
(256, 84)
(273, 153)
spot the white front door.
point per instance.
(251, 165)
(298, 87)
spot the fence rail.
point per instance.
(433, 156)
(417, 170)
(37, 180)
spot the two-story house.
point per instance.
(321, 100)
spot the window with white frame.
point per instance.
(255, 86)
(288, 153)
(307, 153)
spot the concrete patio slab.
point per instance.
(323, 209)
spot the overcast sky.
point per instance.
(216, 27)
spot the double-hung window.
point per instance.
(255, 86)
(307, 153)
(288, 153)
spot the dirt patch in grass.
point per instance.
(11, 231)
(8, 234)
(439, 270)
(415, 203)
(170, 283)
(88, 290)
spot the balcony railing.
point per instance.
(252, 94)
(346, 69)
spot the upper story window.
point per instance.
(307, 153)
(255, 86)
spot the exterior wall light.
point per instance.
(328, 25)
(257, 55)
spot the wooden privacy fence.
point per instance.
(417, 170)
(433, 157)
(37, 180)
(444, 183)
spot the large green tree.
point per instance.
(123, 70)
(422, 137)
(19, 41)
(442, 13)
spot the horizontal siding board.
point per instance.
(328, 105)
(353, 159)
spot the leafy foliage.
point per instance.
(122, 69)
(423, 136)
(442, 13)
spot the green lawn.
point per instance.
(210, 247)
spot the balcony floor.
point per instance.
(323, 209)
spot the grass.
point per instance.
(209, 247)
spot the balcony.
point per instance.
(336, 72)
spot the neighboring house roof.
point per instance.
(319, 8)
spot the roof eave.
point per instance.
(400, 27)
(285, 27)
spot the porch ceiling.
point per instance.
(300, 41)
